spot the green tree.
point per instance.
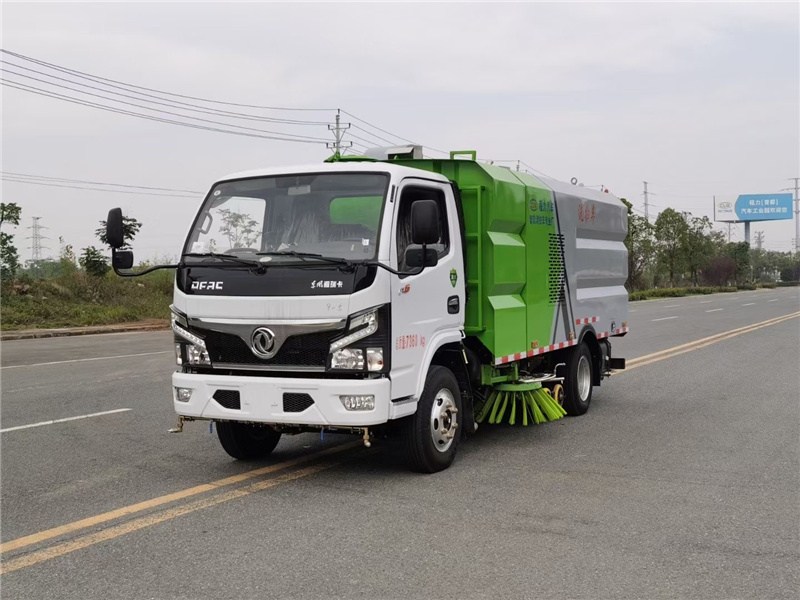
(93, 262)
(130, 227)
(67, 258)
(740, 253)
(641, 246)
(9, 257)
(240, 229)
(698, 246)
(670, 232)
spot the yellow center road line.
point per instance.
(724, 334)
(116, 531)
(677, 350)
(47, 534)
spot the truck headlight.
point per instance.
(361, 326)
(195, 350)
(351, 359)
(196, 355)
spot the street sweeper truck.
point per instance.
(392, 295)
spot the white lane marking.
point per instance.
(706, 302)
(630, 311)
(749, 304)
(662, 319)
(42, 423)
(61, 362)
(773, 300)
(673, 305)
(715, 309)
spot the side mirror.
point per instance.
(416, 258)
(115, 231)
(122, 259)
(424, 222)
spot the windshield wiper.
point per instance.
(304, 255)
(224, 257)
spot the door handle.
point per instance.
(453, 305)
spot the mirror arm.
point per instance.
(377, 263)
(139, 273)
(145, 272)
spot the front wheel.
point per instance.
(247, 442)
(431, 435)
(578, 383)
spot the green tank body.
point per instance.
(541, 257)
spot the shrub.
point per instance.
(678, 292)
(80, 299)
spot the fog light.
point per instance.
(358, 402)
(183, 394)
(375, 359)
(348, 358)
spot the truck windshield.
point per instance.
(330, 214)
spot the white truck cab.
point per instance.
(274, 334)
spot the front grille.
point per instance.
(228, 399)
(296, 403)
(306, 350)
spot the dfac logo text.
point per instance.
(206, 285)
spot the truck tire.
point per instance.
(578, 382)
(431, 436)
(247, 442)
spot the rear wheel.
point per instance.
(247, 442)
(431, 435)
(578, 383)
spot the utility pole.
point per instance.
(796, 214)
(759, 239)
(729, 232)
(338, 129)
(646, 203)
(36, 246)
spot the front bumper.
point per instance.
(261, 399)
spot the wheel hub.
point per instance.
(584, 378)
(443, 422)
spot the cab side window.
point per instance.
(407, 198)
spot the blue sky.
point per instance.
(697, 99)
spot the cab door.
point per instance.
(428, 304)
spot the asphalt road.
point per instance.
(681, 482)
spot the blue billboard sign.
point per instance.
(754, 207)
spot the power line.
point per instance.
(64, 179)
(360, 120)
(158, 110)
(167, 102)
(93, 189)
(97, 77)
(142, 97)
(72, 100)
